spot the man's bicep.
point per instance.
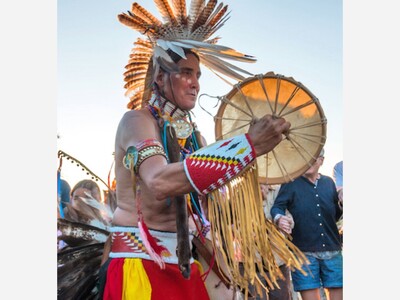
(136, 129)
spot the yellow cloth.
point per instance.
(136, 284)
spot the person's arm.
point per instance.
(162, 179)
(169, 180)
(278, 209)
(212, 167)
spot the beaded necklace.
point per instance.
(167, 113)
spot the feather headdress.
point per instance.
(177, 31)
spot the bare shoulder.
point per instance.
(136, 119)
(133, 116)
(136, 125)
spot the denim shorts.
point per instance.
(327, 273)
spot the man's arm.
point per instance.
(278, 210)
(169, 180)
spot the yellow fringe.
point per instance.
(241, 232)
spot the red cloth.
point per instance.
(114, 281)
(169, 284)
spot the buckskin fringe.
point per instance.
(241, 232)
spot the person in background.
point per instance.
(64, 193)
(338, 178)
(86, 205)
(284, 292)
(313, 201)
(84, 189)
(63, 196)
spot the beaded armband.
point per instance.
(211, 167)
(136, 155)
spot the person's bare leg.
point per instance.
(334, 293)
(310, 294)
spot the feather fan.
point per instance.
(81, 236)
(77, 272)
(78, 263)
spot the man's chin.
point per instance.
(189, 104)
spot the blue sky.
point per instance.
(299, 39)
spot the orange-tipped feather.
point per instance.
(132, 22)
(203, 17)
(180, 10)
(196, 7)
(166, 11)
(145, 14)
(218, 17)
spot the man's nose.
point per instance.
(195, 83)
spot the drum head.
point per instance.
(282, 97)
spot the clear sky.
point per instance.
(299, 39)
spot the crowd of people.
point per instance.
(164, 191)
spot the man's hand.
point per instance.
(266, 133)
(285, 223)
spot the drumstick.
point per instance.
(182, 221)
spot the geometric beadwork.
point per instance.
(211, 167)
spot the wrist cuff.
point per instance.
(211, 167)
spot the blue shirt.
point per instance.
(315, 211)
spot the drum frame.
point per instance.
(312, 155)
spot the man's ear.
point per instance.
(160, 78)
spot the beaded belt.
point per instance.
(126, 242)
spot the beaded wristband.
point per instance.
(211, 167)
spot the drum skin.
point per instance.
(279, 96)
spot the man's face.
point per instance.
(315, 167)
(182, 88)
